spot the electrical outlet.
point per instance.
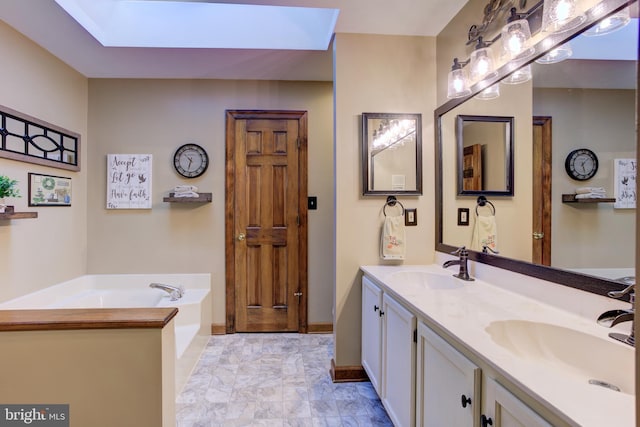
(463, 216)
(410, 217)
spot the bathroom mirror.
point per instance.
(591, 245)
(485, 155)
(391, 154)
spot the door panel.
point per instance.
(268, 185)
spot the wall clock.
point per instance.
(581, 164)
(190, 160)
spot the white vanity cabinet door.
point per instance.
(447, 386)
(398, 362)
(372, 332)
(503, 409)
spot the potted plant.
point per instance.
(7, 189)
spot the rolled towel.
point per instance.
(185, 189)
(586, 190)
(590, 196)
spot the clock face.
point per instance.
(190, 160)
(581, 164)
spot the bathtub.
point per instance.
(192, 323)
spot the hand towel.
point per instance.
(185, 188)
(485, 233)
(392, 244)
(186, 194)
(590, 196)
(586, 190)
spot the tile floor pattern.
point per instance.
(274, 380)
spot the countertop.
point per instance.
(464, 310)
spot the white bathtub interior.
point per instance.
(192, 323)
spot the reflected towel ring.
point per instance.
(482, 201)
(391, 201)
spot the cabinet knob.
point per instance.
(376, 308)
(381, 313)
(484, 421)
(465, 401)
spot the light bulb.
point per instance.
(560, 15)
(515, 39)
(457, 82)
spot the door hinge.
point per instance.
(415, 335)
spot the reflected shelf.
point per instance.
(202, 198)
(571, 198)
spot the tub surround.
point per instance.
(116, 372)
(462, 311)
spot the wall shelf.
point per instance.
(202, 198)
(18, 215)
(571, 198)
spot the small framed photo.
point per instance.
(49, 190)
(463, 216)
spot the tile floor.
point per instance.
(274, 380)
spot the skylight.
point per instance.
(185, 24)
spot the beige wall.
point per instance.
(39, 252)
(603, 121)
(511, 212)
(383, 74)
(156, 117)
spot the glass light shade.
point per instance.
(558, 54)
(521, 75)
(610, 24)
(482, 65)
(492, 92)
(516, 38)
(561, 15)
(457, 84)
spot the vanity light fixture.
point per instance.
(516, 36)
(610, 24)
(491, 92)
(482, 64)
(457, 81)
(561, 15)
(520, 75)
(556, 55)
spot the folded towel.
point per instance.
(591, 196)
(392, 242)
(585, 190)
(485, 233)
(185, 188)
(186, 194)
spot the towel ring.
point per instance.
(391, 201)
(482, 201)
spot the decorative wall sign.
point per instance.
(27, 139)
(129, 181)
(624, 185)
(48, 190)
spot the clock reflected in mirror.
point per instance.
(581, 164)
(190, 160)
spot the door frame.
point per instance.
(541, 250)
(230, 289)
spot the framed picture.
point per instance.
(49, 190)
(129, 181)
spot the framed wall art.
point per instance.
(49, 190)
(129, 181)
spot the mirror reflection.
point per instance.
(391, 156)
(485, 162)
(586, 101)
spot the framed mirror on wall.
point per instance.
(581, 102)
(391, 154)
(485, 155)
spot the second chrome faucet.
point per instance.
(463, 273)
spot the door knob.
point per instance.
(241, 237)
(538, 235)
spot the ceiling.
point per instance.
(51, 27)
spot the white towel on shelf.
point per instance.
(185, 191)
(590, 196)
(485, 233)
(587, 190)
(392, 242)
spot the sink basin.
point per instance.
(589, 358)
(424, 279)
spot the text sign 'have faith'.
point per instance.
(129, 181)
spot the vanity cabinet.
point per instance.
(504, 409)
(447, 385)
(388, 352)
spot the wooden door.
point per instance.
(541, 233)
(472, 168)
(266, 221)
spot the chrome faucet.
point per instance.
(463, 274)
(613, 317)
(175, 292)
